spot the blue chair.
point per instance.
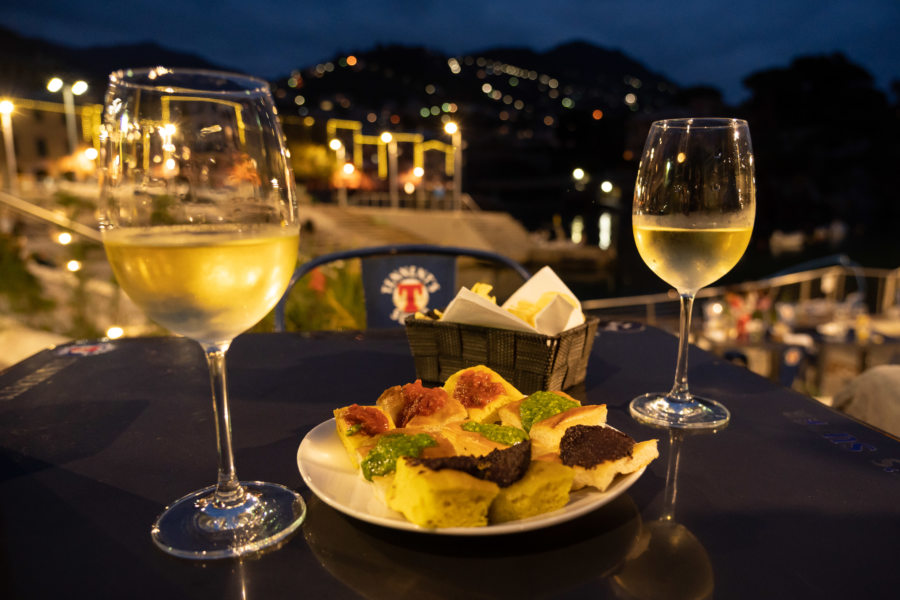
(402, 279)
(791, 365)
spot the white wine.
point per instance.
(209, 283)
(689, 259)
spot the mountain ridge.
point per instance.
(26, 60)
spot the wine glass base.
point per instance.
(192, 528)
(660, 410)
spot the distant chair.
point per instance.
(873, 396)
(792, 362)
(401, 279)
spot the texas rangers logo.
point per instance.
(410, 288)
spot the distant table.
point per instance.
(792, 500)
(834, 361)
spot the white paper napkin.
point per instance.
(557, 316)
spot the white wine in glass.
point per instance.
(693, 213)
(200, 225)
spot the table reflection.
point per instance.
(381, 563)
(668, 561)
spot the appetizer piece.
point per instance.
(598, 453)
(379, 457)
(482, 391)
(358, 425)
(455, 491)
(544, 488)
(547, 433)
(444, 498)
(414, 405)
(477, 439)
(527, 411)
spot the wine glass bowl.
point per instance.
(199, 222)
(692, 217)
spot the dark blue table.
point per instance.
(792, 500)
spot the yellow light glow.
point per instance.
(335, 144)
(91, 154)
(418, 171)
(451, 127)
(73, 265)
(606, 186)
(55, 84)
(604, 225)
(386, 137)
(170, 164)
(115, 332)
(578, 174)
(349, 168)
(79, 87)
(6, 107)
(577, 229)
(169, 129)
(409, 187)
(681, 157)
(64, 238)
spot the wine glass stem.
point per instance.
(228, 490)
(680, 392)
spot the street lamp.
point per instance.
(6, 110)
(419, 174)
(580, 177)
(69, 91)
(456, 136)
(388, 139)
(341, 159)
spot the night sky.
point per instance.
(692, 42)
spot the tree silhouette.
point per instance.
(825, 140)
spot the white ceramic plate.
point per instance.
(327, 471)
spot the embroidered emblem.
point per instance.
(410, 288)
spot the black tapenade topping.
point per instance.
(502, 466)
(589, 445)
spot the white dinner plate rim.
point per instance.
(316, 473)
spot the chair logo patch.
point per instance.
(410, 288)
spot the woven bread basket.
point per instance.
(530, 361)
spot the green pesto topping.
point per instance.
(502, 434)
(382, 459)
(353, 429)
(542, 405)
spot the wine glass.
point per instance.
(693, 212)
(199, 222)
